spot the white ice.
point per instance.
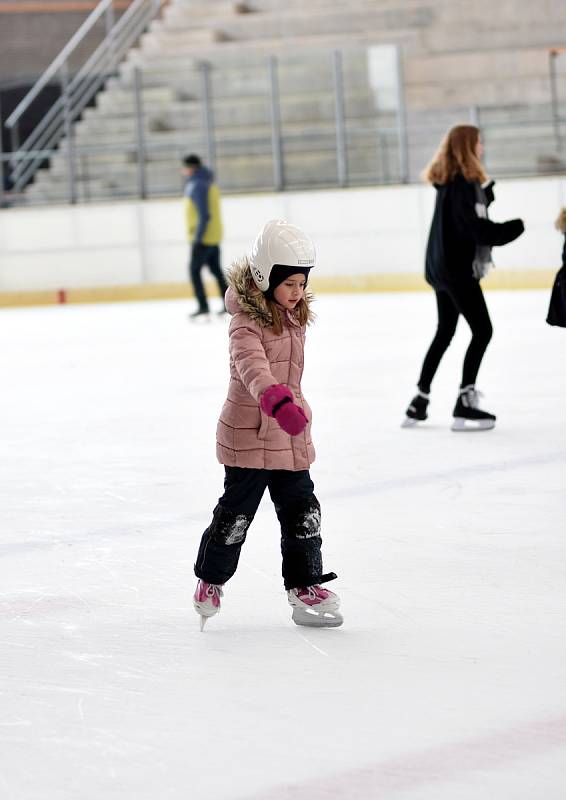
(447, 680)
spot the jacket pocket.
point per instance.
(263, 426)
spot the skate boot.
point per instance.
(315, 607)
(417, 410)
(467, 415)
(206, 600)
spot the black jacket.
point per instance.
(456, 229)
(557, 309)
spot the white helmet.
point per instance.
(279, 243)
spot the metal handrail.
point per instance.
(85, 74)
(58, 62)
(78, 91)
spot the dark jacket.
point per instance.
(557, 308)
(457, 229)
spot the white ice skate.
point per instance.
(200, 316)
(206, 600)
(315, 607)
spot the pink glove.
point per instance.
(277, 401)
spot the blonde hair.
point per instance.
(456, 156)
(561, 220)
(301, 313)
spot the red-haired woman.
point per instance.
(458, 255)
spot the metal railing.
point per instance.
(76, 91)
(297, 120)
(290, 120)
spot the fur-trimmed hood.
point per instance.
(243, 295)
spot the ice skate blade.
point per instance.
(326, 618)
(204, 614)
(200, 319)
(463, 425)
(409, 422)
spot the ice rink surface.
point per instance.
(447, 680)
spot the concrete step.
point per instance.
(255, 140)
(198, 10)
(481, 93)
(118, 123)
(157, 37)
(251, 77)
(456, 54)
(188, 122)
(152, 95)
(314, 167)
(490, 29)
(241, 52)
(254, 27)
(180, 116)
(99, 136)
(197, 14)
(178, 9)
(519, 113)
(498, 66)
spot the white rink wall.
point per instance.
(377, 231)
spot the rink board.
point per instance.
(404, 282)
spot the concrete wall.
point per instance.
(366, 238)
(33, 33)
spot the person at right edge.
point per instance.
(557, 308)
(458, 255)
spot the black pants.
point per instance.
(298, 512)
(202, 254)
(466, 299)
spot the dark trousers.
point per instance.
(298, 512)
(209, 255)
(466, 299)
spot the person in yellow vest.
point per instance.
(204, 229)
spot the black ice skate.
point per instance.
(417, 410)
(467, 415)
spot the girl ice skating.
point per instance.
(263, 435)
(458, 255)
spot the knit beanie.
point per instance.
(280, 273)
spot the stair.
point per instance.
(455, 56)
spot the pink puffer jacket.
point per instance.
(245, 436)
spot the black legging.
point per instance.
(466, 299)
